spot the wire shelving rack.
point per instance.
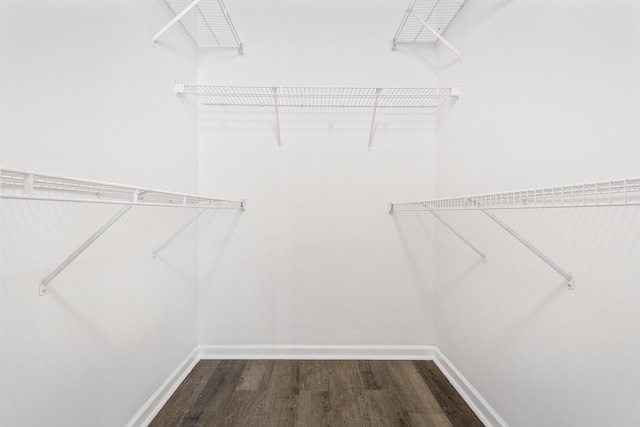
(30, 186)
(316, 98)
(425, 20)
(207, 22)
(617, 192)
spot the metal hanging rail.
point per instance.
(619, 192)
(207, 23)
(425, 21)
(21, 185)
(310, 97)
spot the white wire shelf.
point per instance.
(319, 97)
(207, 22)
(16, 184)
(21, 185)
(619, 192)
(436, 13)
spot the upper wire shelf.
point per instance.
(435, 13)
(16, 184)
(320, 97)
(619, 192)
(207, 22)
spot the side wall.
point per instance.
(550, 96)
(84, 94)
(316, 259)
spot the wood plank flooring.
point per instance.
(312, 393)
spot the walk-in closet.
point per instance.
(319, 213)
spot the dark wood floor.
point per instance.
(313, 393)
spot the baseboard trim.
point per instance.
(319, 352)
(474, 399)
(152, 406)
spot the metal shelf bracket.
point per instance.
(45, 282)
(460, 236)
(567, 276)
(275, 103)
(174, 235)
(171, 23)
(373, 119)
(29, 186)
(438, 36)
(208, 24)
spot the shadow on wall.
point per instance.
(599, 246)
(492, 7)
(416, 236)
(38, 236)
(216, 232)
(347, 119)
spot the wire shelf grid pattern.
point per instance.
(620, 192)
(207, 23)
(34, 186)
(437, 13)
(320, 97)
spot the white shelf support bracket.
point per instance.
(179, 88)
(180, 230)
(460, 236)
(178, 17)
(438, 36)
(373, 119)
(45, 282)
(568, 277)
(27, 187)
(275, 102)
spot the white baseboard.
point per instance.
(474, 399)
(335, 352)
(157, 400)
(478, 404)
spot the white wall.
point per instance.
(316, 258)
(550, 96)
(85, 94)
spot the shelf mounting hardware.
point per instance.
(438, 35)
(180, 230)
(45, 282)
(373, 119)
(321, 98)
(209, 24)
(567, 276)
(424, 21)
(29, 186)
(275, 103)
(177, 18)
(450, 227)
(460, 236)
(615, 192)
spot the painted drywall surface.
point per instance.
(316, 258)
(550, 96)
(85, 94)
